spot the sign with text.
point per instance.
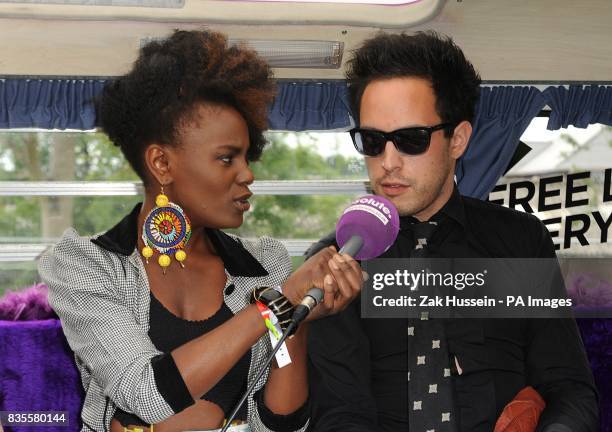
(562, 192)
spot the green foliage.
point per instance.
(98, 159)
(98, 214)
(19, 217)
(280, 161)
(17, 275)
(298, 216)
(302, 217)
(29, 157)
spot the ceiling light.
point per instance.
(297, 54)
(287, 53)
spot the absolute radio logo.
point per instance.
(373, 206)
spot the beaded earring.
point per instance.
(167, 230)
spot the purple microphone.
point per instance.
(366, 229)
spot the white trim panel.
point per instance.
(281, 187)
(31, 252)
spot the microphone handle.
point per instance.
(352, 246)
(312, 298)
(314, 295)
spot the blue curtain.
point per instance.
(502, 115)
(48, 103)
(578, 106)
(67, 104)
(303, 106)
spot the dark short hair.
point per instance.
(428, 55)
(170, 77)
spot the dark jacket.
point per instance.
(498, 356)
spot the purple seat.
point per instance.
(38, 373)
(597, 337)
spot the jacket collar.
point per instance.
(122, 239)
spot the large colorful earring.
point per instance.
(167, 230)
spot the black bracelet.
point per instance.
(276, 302)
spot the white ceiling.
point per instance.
(513, 40)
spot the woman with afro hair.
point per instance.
(158, 310)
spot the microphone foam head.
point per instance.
(373, 218)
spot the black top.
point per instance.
(167, 332)
(358, 367)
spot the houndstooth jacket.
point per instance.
(99, 288)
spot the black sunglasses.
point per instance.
(412, 141)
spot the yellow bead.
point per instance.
(147, 252)
(164, 260)
(161, 200)
(180, 255)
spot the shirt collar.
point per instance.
(122, 239)
(453, 208)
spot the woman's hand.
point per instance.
(338, 275)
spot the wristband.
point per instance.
(274, 331)
(265, 314)
(280, 306)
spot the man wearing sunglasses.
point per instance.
(414, 98)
